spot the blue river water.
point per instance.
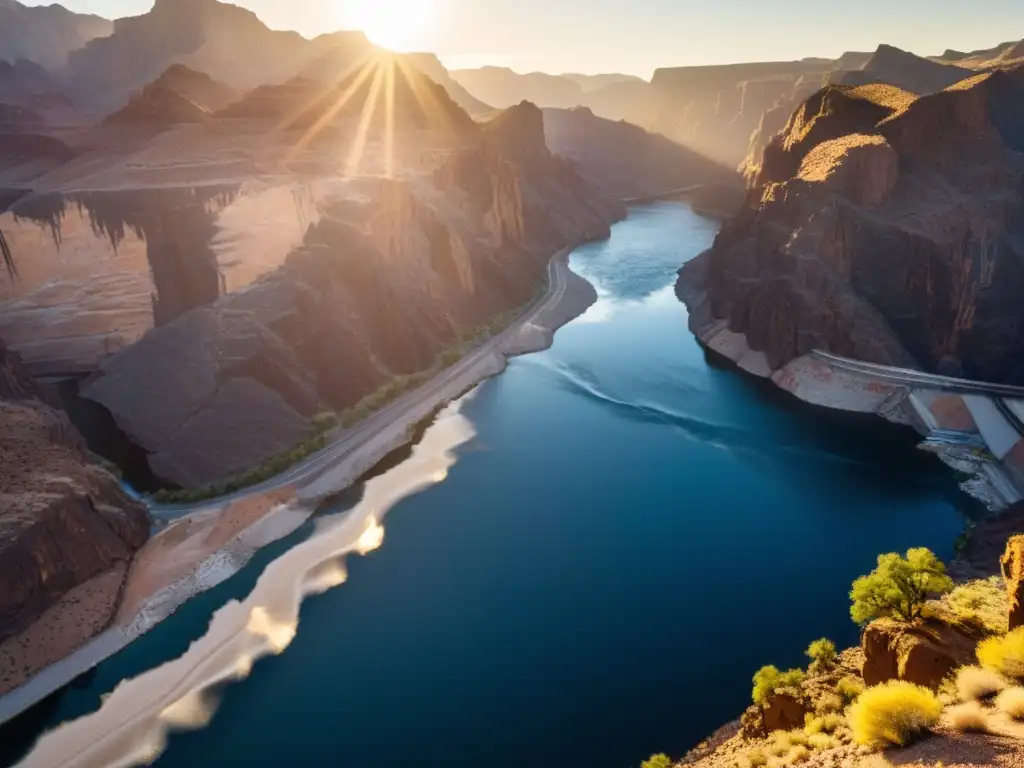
(633, 531)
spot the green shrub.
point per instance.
(823, 723)
(892, 713)
(822, 653)
(1004, 654)
(899, 586)
(849, 688)
(769, 679)
(657, 761)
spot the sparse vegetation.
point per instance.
(974, 683)
(1011, 703)
(769, 679)
(822, 654)
(893, 713)
(754, 758)
(849, 688)
(821, 741)
(829, 702)
(1004, 654)
(824, 723)
(657, 761)
(982, 604)
(969, 717)
(899, 586)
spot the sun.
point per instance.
(395, 24)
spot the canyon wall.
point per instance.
(884, 227)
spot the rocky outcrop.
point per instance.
(179, 95)
(46, 33)
(925, 653)
(626, 160)
(387, 274)
(784, 710)
(63, 518)
(882, 227)
(912, 73)
(1012, 563)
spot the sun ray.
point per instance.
(425, 96)
(389, 120)
(369, 108)
(370, 67)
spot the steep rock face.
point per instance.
(46, 33)
(1012, 564)
(625, 159)
(884, 228)
(925, 653)
(388, 274)
(904, 70)
(63, 519)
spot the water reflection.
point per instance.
(89, 273)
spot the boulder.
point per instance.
(924, 653)
(1012, 563)
(784, 710)
(752, 723)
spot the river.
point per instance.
(631, 533)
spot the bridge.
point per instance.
(977, 421)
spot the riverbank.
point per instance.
(206, 546)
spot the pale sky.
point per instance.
(635, 36)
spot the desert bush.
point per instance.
(822, 653)
(821, 741)
(899, 586)
(982, 604)
(754, 758)
(829, 702)
(892, 713)
(798, 754)
(849, 688)
(823, 723)
(973, 683)
(769, 679)
(969, 717)
(1011, 703)
(1004, 654)
(657, 761)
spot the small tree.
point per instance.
(822, 653)
(657, 761)
(769, 679)
(899, 586)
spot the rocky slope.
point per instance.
(387, 274)
(24, 83)
(628, 161)
(63, 518)
(179, 95)
(882, 227)
(46, 34)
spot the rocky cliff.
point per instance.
(912, 73)
(388, 273)
(179, 95)
(63, 518)
(882, 227)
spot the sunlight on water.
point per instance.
(132, 725)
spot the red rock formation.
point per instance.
(885, 228)
(925, 653)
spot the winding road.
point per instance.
(347, 441)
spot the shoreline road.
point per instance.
(351, 440)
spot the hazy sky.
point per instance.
(637, 36)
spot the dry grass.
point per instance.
(975, 683)
(969, 717)
(980, 604)
(821, 741)
(849, 688)
(893, 713)
(1011, 703)
(824, 723)
(830, 702)
(1005, 654)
